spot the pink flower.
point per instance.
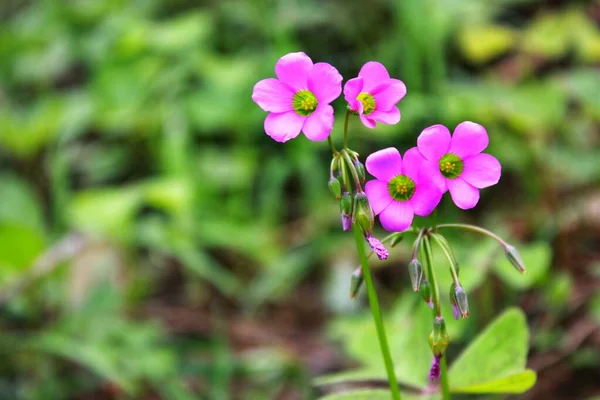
(374, 95)
(455, 163)
(299, 99)
(400, 190)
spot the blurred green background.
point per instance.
(156, 244)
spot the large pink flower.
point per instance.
(374, 95)
(456, 163)
(400, 190)
(299, 99)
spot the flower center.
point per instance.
(368, 102)
(451, 166)
(401, 188)
(304, 102)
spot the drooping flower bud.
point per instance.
(356, 282)
(515, 258)
(360, 171)
(453, 301)
(396, 238)
(363, 213)
(462, 301)
(335, 187)
(415, 271)
(438, 338)
(435, 370)
(425, 290)
(346, 204)
(377, 247)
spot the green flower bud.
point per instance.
(438, 338)
(396, 238)
(461, 301)
(346, 205)
(335, 187)
(415, 271)
(360, 171)
(363, 214)
(515, 258)
(356, 282)
(425, 290)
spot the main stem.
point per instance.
(346, 129)
(376, 311)
(444, 379)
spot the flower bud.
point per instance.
(435, 370)
(356, 282)
(461, 301)
(396, 238)
(438, 338)
(425, 290)
(515, 258)
(363, 214)
(415, 271)
(335, 187)
(360, 171)
(453, 302)
(346, 204)
(377, 247)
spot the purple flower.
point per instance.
(374, 95)
(455, 163)
(299, 99)
(435, 370)
(346, 222)
(377, 247)
(400, 190)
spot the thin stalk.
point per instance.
(346, 129)
(331, 146)
(444, 379)
(352, 169)
(477, 229)
(435, 293)
(415, 251)
(376, 312)
(448, 254)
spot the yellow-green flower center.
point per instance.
(401, 188)
(304, 102)
(451, 166)
(368, 102)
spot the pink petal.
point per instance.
(468, 139)
(389, 94)
(378, 194)
(427, 196)
(384, 164)
(464, 195)
(368, 122)
(434, 142)
(351, 90)
(430, 171)
(411, 163)
(325, 82)
(272, 95)
(374, 74)
(481, 170)
(397, 217)
(319, 124)
(283, 126)
(293, 69)
(390, 117)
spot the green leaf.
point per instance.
(536, 257)
(19, 246)
(19, 203)
(517, 383)
(374, 394)
(499, 351)
(483, 43)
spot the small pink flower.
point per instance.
(455, 163)
(400, 190)
(374, 95)
(299, 99)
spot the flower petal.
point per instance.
(482, 170)
(319, 124)
(411, 163)
(384, 164)
(468, 139)
(293, 69)
(397, 216)
(325, 82)
(351, 90)
(283, 126)
(464, 195)
(430, 171)
(378, 194)
(272, 95)
(374, 74)
(427, 196)
(434, 142)
(389, 94)
(390, 117)
(368, 122)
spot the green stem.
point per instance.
(444, 379)
(477, 229)
(375, 310)
(346, 129)
(435, 292)
(331, 146)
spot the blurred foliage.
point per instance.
(148, 226)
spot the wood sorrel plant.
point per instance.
(299, 101)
